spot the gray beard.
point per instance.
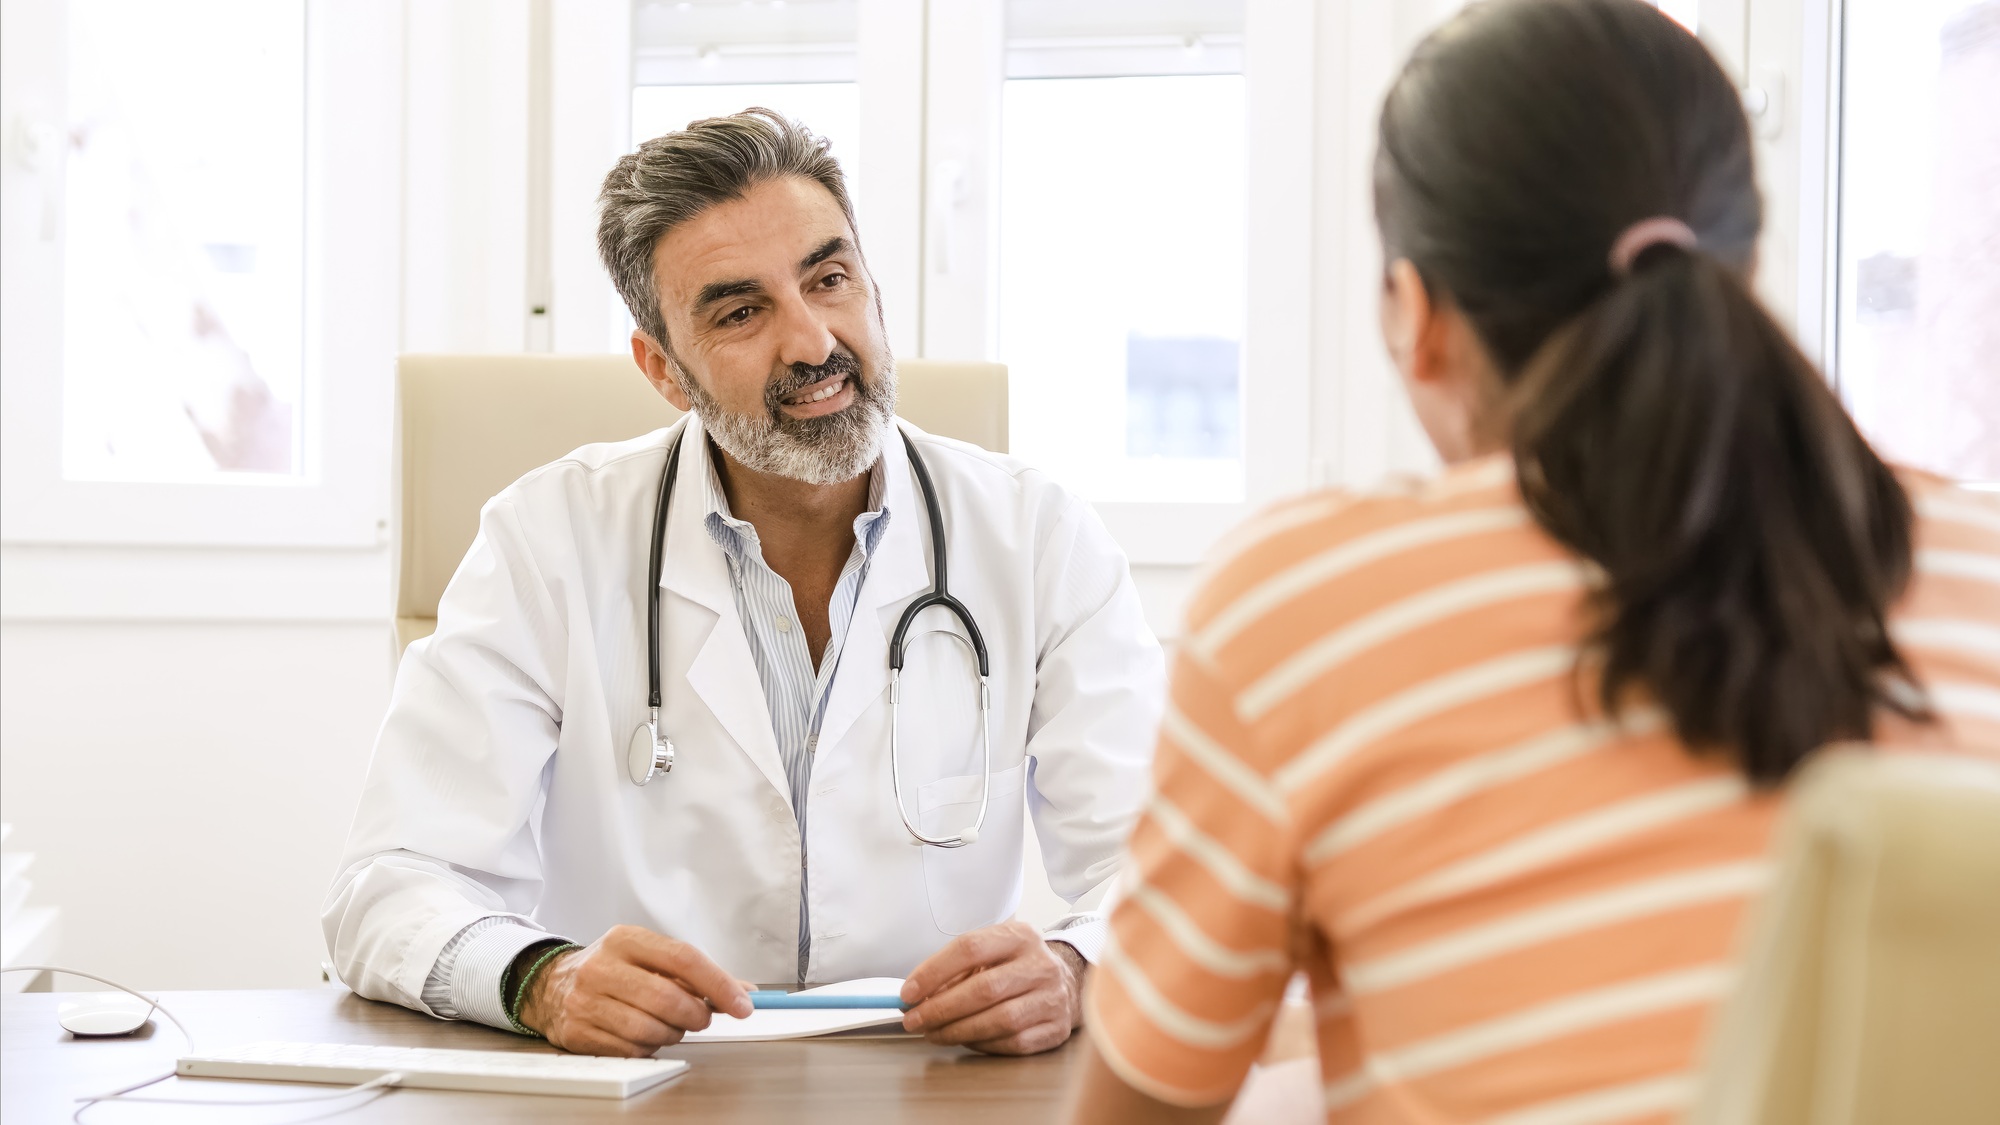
(824, 450)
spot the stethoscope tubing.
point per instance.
(970, 835)
(655, 562)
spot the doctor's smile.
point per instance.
(814, 403)
(817, 398)
(771, 694)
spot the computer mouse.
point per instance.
(103, 1014)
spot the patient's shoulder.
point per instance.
(1335, 533)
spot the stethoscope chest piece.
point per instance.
(650, 755)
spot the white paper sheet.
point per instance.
(792, 1023)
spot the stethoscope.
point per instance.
(652, 752)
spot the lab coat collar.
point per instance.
(738, 537)
(724, 674)
(692, 565)
(898, 570)
(703, 576)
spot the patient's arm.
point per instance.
(1103, 1098)
(1282, 1089)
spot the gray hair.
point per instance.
(671, 179)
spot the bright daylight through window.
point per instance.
(693, 60)
(184, 239)
(1123, 246)
(1918, 348)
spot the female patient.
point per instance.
(1494, 759)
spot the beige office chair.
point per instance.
(1870, 993)
(470, 425)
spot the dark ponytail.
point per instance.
(1664, 426)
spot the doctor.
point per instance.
(524, 853)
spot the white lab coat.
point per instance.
(499, 787)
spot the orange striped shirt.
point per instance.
(1376, 770)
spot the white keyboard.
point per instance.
(502, 1072)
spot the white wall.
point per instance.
(186, 786)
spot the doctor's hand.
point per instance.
(628, 993)
(1000, 989)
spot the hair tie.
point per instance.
(1646, 234)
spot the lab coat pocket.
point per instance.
(980, 883)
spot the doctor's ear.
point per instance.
(659, 368)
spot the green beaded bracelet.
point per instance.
(528, 978)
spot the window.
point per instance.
(694, 60)
(183, 241)
(1122, 173)
(1686, 12)
(1105, 195)
(202, 244)
(1917, 340)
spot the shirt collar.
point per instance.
(738, 537)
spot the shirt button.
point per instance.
(784, 624)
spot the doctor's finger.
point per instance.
(690, 966)
(979, 992)
(1032, 1041)
(967, 953)
(999, 1022)
(660, 997)
(638, 1032)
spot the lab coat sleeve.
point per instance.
(442, 836)
(1099, 687)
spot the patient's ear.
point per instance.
(652, 359)
(1405, 313)
(1446, 372)
(1418, 329)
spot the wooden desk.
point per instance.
(799, 1083)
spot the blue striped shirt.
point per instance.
(794, 691)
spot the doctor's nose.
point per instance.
(803, 335)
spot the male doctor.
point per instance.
(500, 822)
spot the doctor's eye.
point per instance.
(833, 280)
(738, 316)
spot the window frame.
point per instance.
(1784, 55)
(930, 79)
(1789, 58)
(966, 61)
(353, 222)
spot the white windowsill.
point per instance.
(40, 582)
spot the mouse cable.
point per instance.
(153, 1002)
(124, 1093)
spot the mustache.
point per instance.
(803, 375)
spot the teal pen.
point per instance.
(772, 998)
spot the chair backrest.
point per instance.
(470, 425)
(1870, 992)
